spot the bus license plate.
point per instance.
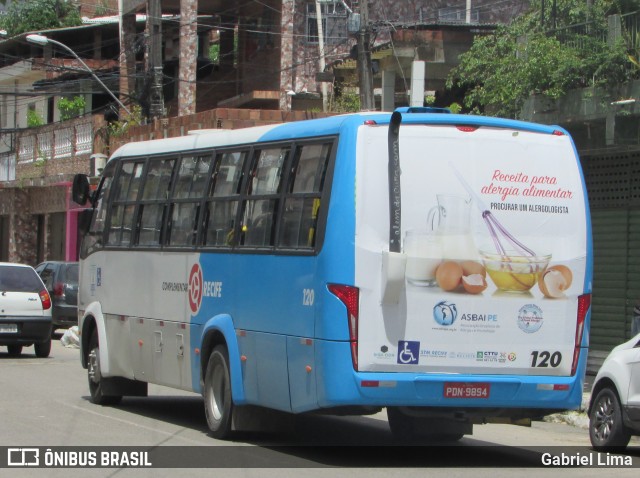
(466, 390)
(8, 328)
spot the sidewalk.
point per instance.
(577, 418)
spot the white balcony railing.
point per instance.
(55, 141)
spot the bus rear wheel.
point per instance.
(409, 429)
(218, 404)
(95, 377)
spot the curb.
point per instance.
(577, 418)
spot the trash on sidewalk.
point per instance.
(70, 338)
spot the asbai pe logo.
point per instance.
(195, 288)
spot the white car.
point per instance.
(614, 408)
(25, 310)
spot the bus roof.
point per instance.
(211, 138)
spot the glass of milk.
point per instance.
(424, 254)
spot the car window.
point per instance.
(46, 274)
(19, 279)
(70, 275)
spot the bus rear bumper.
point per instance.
(339, 385)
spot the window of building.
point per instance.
(457, 14)
(334, 23)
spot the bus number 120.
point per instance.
(308, 297)
(544, 359)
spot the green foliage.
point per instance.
(455, 108)
(71, 107)
(32, 15)
(503, 69)
(214, 52)
(347, 102)
(120, 127)
(34, 119)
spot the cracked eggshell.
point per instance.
(474, 283)
(555, 280)
(473, 267)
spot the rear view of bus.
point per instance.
(472, 270)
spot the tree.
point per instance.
(33, 15)
(542, 53)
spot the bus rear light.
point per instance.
(584, 302)
(350, 297)
(370, 383)
(466, 128)
(378, 383)
(45, 298)
(561, 387)
(370, 122)
(557, 132)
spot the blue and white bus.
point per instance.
(432, 264)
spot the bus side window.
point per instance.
(191, 181)
(153, 205)
(222, 204)
(302, 202)
(260, 210)
(126, 191)
(93, 240)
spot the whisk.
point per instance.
(496, 230)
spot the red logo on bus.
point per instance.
(195, 288)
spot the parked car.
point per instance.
(61, 280)
(614, 408)
(25, 310)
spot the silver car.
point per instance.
(614, 409)
(25, 310)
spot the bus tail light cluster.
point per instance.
(584, 302)
(45, 298)
(350, 297)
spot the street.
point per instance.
(45, 403)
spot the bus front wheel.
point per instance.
(95, 377)
(218, 404)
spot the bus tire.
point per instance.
(401, 425)
(404, 428)
(95, 377)
(218, 403)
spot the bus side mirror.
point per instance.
(80, 191)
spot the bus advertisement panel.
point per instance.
(494, 236)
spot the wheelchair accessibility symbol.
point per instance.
(408, 352)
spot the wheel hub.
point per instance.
(94, 366)
(604, 419)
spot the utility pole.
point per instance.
(154, 29)
(321, 48)
(364, 60)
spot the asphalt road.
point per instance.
(45, 403)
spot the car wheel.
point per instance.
(606, 429)
(218, 403)
(95, 377)
(14, 350)
(43, 349)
